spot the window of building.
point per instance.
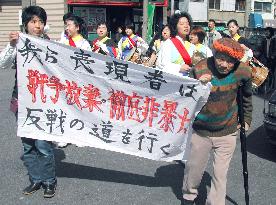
(267, 7)
(214, 4)
(262, 7)
(240, 5)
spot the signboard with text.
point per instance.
(70, 95)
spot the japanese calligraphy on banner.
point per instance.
(70, 95)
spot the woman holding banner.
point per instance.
(74, 33)
(175, 54)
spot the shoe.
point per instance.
(33, 187)
(62, 144)
(50, 190)
(187, 202)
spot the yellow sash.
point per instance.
(236, 37)
(104, 39)
(179, 60)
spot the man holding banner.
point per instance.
(215, 127)
(38, 156)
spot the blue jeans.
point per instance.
(39, 159)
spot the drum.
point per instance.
(134, 56)
(149, 62)
(259, 72)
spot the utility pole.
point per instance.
(207, 2)
(145, 19)
(247, 12)
(165, 15)
(172, 7)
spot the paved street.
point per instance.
(98, 177)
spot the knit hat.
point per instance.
(229, 47)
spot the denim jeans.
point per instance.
(38, 157)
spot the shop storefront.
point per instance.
(114, 12)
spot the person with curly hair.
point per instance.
(215, 127)
(175, 54)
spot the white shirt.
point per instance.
(7, 57)
(169, 59)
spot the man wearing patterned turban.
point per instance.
(215, 127)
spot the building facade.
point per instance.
(224, 10)
(264, 7)
(229, 9)
(115, 12)
(10, 13)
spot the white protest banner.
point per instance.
(70, 95)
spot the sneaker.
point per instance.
(187, 202)
(50, 190)
(62, 144)
(33, 187)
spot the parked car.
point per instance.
(270, 118)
